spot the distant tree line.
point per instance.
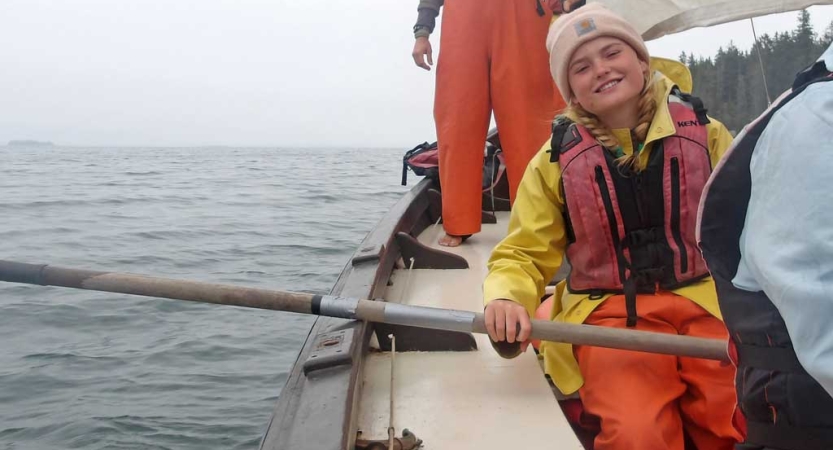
(731, 85)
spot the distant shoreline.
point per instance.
(207, 147)
(30, 143)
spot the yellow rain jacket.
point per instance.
(529, 256)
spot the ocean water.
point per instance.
(88, 370)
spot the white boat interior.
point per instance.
(474, 399)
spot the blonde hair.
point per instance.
(647, 108)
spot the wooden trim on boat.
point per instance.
(317, 406)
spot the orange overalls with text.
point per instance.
(493, 56)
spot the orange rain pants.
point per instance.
(645, 400)
(493, 56)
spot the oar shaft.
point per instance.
(350, 308)
(125, 283)
(455, 320)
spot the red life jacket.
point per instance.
(633, 231)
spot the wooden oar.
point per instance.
(351, 308)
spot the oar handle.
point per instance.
(643, 341)
(351, 308)
(467, 321)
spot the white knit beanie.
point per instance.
(571, 30)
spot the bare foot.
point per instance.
(449, 240)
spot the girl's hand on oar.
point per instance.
(502, 318)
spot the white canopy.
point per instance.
(657, 18)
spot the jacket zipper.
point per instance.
(675, 213)
(637, 182)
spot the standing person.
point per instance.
(617, 191)
(766, 231)
(493, 58)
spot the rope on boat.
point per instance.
(761, 62)
(434, 227)
(391, 429)
(407, 287)
(492, 187)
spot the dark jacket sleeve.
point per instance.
(427, 11)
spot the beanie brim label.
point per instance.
(585, 26)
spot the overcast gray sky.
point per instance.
(238, 72)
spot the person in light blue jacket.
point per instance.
(766, 231)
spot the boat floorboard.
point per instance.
(461, 399)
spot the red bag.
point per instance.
(423, 160)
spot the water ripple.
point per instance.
(90, 370)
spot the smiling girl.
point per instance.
(617, 191)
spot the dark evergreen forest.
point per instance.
(731, 85)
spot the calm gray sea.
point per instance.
(80, 369)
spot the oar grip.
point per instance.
(669, 344)
(645, 341)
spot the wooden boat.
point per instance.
(350, 387)
(450, 389)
